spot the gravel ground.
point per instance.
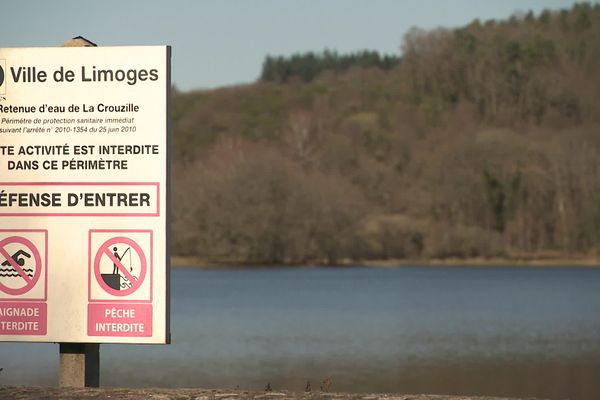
(40, 393)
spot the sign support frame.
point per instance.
(79, 365)
(79, 362)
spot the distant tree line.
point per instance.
(308, 66)
(482, 142)
(523, 68)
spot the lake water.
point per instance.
(447, 330)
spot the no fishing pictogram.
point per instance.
(20, 265)
(120, 266)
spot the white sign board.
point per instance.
(83, 194)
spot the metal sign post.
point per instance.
(79, 365)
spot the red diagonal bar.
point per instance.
(15, 265)
(119, 265)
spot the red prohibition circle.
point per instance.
(104, 250)
(29, 282)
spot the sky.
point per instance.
(224, 42)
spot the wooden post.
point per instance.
(79, 365)
(79, 362)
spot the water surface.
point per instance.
(453, 330)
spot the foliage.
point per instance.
(482, 142)
(308, 66)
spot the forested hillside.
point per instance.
(482, 141)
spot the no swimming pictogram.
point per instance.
(20, 265)
(120, 266)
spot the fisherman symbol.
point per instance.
(120, 265)
(122, 281)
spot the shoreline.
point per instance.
(31, 393)
(565, 261)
